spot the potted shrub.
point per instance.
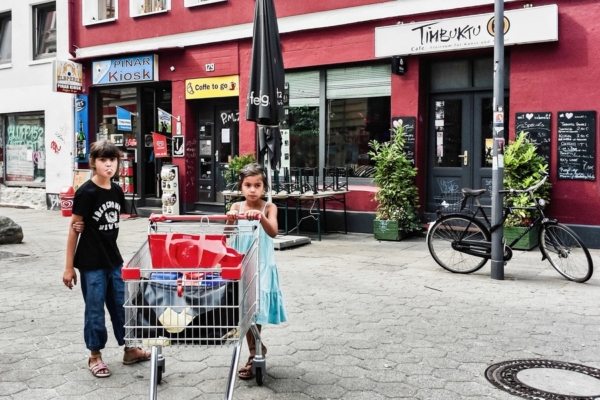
(237, 163)
(396, 213)
(522, 166)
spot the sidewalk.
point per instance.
(367, 320)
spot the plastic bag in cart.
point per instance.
(179, 250)
(203, 314)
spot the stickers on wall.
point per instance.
(439, 130)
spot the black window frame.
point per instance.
(5, 17)
(40, 12)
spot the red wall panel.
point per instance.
(563, 76)
(180, 19)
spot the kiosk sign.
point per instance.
(126, 70)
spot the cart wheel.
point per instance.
(159, 375)
(260, 376)
(160, 368)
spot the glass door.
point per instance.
(460, 144)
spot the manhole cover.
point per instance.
(546, 379)
(6, 254)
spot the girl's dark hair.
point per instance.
(104, 149)
(253, 169)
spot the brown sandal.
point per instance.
(143, 355)
(246, 372)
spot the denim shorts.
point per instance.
(100, 287)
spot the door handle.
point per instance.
(465, 157)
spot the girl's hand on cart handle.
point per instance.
(70, 277)
(232, 215)
(252, 215)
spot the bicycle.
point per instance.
(461, 243)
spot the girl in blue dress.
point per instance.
(253, 183)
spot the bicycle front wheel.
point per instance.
(448, 232)
(566, 252)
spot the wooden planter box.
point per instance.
(388, 230)
(527, 242)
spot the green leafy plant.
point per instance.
(237, 163)
(395, 176)
(522, 166)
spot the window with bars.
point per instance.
(5, 37)
(44, 35)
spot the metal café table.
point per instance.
(300, 199)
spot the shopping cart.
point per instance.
(187, 285)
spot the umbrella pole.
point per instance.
(270, 193)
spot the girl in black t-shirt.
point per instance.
(98, 203)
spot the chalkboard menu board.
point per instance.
(537, 125)
(408, 123)
(577, 145)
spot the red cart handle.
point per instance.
(198, 218)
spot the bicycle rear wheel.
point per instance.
(450, 230)
(566, 252)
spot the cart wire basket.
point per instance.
(451, 202)
(187, 285)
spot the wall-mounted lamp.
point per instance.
(398, 65)
(172, 68)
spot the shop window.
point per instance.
(24, 149)
(358, 102)
(304, 137)
(303, 119)
(98, 11)
(121, 129)
(44, 23)
(353, 123)
(466, 74)
(138, 8)
(5, 37)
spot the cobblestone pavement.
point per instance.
(367, 320)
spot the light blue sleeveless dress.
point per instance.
(272, 307)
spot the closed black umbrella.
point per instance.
(265, 92)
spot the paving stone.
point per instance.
(387, 338)
(325, 392)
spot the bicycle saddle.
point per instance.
(473, 192)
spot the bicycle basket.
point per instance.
(450, 202)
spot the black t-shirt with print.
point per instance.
(100, 209)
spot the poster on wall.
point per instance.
(19, 163)
(81, 126)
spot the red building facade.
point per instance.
(347, 94)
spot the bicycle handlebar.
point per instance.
(530, 189)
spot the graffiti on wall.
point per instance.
(25, 135)
(53, 201)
